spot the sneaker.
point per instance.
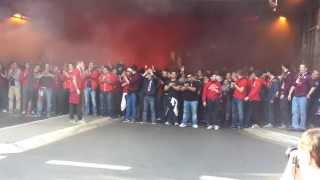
(154, 123)
(195, 126)
(82, 122)
(141, 122)
(126, 121)
(23, 112)
(209, 127)
(268, 126)
(72, 121)
(176, 124)
(255, 126)
(182, 125)
(216, 127)
(283, 126)
(4, 111)
(167, 123)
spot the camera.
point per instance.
(293, 152)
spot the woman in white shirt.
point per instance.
(304, 163)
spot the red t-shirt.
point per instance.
(74, 97)
(67, 80)
(211, 91)
(77, 75)
(255, 91)
(24, 77)
(94, 78)
(243, 82)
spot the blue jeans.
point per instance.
(190, 109)
(299, 112)
(45, 95)
(131, 110)
(149, 104)
(90, 95)
(238, 113)
(106, 104)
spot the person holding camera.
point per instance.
(304, 162)
(149, 88)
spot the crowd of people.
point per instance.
(246, 98)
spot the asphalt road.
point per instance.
(8, 119)
(149, 153)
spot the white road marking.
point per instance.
(215, 178)
(3, 157)
(89, 165)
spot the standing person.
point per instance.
(286, 80)
(133, 81)
(58, 91)
(300, 91)
(314, 100)
(149, 88)
(35, 88)
(272, 97)
(67, 82)
(3, 89)
(91, 83)
(14, 93)
(107, 82)
(254, 100)
(46, 84)
(172, 89)
(240, 92)
(27, 81)
(227, 92)
(190, 95)
(76, 91)
(211, 96)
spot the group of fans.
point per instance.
(240, 99)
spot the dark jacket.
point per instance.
(152, 90)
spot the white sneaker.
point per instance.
(216, 127)
(268, 126)
(195, 126)
(182, 125)
(167, 123)
(82, 121)
(4, 111)
(255, 126)
(72, 121)
(209, 127)
(176, 124)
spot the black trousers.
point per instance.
(75, 109)
(170, 115)
(285, 111)
(253, 111)
(213, 108)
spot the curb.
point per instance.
(48, 138)
(273, 136)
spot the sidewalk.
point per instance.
(24, 137)
(8, 119)
(284, 137)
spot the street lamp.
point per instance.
(18, 19)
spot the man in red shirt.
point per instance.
(240, 92)
(254, 100)
(211, 100)
(90, 87)
(76, 91)
(107, 81)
